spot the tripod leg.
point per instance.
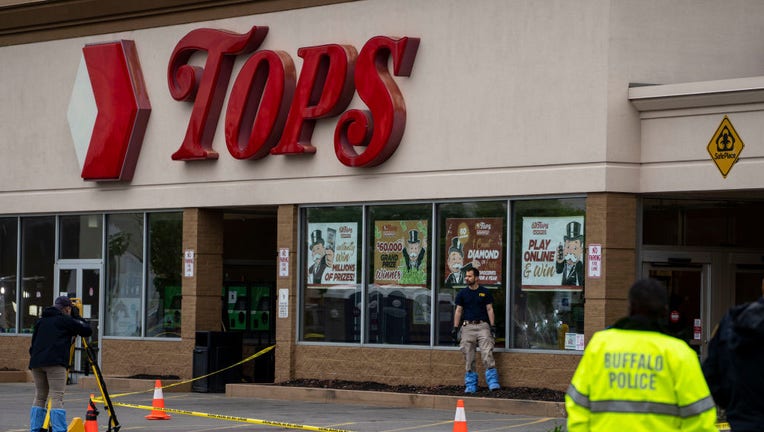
(113, 422)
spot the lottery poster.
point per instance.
(553, 254)
(332, 253)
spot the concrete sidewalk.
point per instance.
(267, 408)
(400, 400)
(351, 397)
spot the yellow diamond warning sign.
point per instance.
(725, 147)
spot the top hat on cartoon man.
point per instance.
(456, 246)
(413, 236)
(316, 238)
(573, 231)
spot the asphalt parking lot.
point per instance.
(260, 414)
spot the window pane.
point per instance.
(8, 245)
(38, 235)
(124, 274)
(548, 258)
(399, 295)
(80, 237)
(332, 253)
(661, 221)
(472, 236)
(163, 287)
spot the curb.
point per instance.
(398, 400)
(132, 384)
(15, 376)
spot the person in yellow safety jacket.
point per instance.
(633, 377)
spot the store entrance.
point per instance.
(702, 286)
(249, 286)
(709, 251)
(687, 286)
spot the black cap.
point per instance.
(62, 302)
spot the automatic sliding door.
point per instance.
(686, 291)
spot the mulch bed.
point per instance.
(525, 393)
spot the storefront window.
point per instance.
(8, 250)
(80, 236)
(124, 242)
(332, 273)
(399, 295)
(400, 243)
(163, 287)
(38, 237)
(548, 259)
(129, 310)
(472, 236)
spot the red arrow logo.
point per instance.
(123, 110)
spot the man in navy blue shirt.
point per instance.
(474, 315)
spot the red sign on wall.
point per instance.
(271, 111)
(123, 109)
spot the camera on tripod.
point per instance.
(76, 307)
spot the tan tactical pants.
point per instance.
(472, 337)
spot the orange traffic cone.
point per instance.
(460, 420)
(91, 417)
(158, 403)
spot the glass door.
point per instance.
(687, 288)
(748, 277)
(83, 281)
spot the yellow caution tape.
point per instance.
(723, 426)
(46, 423)
(232, 418)
(217, 416)
(252, 357)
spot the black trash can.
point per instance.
(215, 351)
(265, 366)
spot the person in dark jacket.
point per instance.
(733, 366)
(49, 359)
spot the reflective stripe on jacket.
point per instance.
(639, 381)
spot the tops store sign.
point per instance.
(270, 110)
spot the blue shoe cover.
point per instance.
(36, 418)
(470, 382)
(492, 378)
